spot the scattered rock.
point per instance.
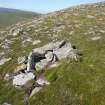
(51, 52)
(2, 53)
(36, 42)
(96, 38)
(8, 77)
(4, 60)
(28, 39)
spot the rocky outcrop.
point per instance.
(40, 59)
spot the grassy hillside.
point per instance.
(77, 83)
(12, 16)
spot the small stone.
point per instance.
(7, 77)
(36, 42)
(96, 38)
(42, 82)
(90, 17)
(41, 65)
(21, 60)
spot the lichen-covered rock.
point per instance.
(41, 65)
(22, 60)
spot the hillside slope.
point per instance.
(76, 83)
(12, 16)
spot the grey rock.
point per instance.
(41, 65)
(35, 90)
(22, 78)
(33, 58)
(42, 58)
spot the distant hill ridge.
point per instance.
(12, 16)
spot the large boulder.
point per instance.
(63, 52)
(55, 52)
(50, 46)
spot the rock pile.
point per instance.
(40, 59)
